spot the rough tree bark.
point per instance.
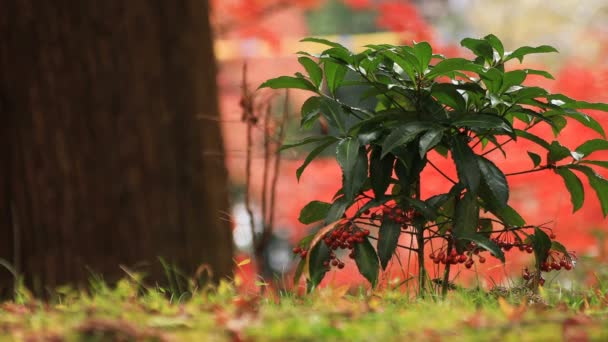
(105, 158)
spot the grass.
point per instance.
(130, 312)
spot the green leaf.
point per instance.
(337, 209)
(403, 135)
(598, 183)
(557, 152)
(495, 43)
(480, 47)
(556, 246)
(312, 155)
(313, 70)
(509, 216)
(347, 153)
(448, 94)
(380, 171)
(466, 163)
(423, 53)
(574, 186)
(406, 61)
(540, 73)
(482, 241)
(587, 121)
(321, 41)
(367, 261)
(387, 241)
(586, 105)
(334, 114)
(314, 211)
(466, 215)
(541, 244)
(536, 159)
(318, 255)
(591, 146)
(512, 78)
(600, 163)
(306, 141)
(536, 139)
(299, 270)
(311, 110)
(526, 50)
(429, 140)
(485, 121)
(495, 181)
(334, 75)
(447, 66)
(283, 82)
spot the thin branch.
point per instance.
(528, 171)
(441, 172)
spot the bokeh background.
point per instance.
(265, 35)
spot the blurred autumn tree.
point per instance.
(111, 149)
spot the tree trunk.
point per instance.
(108, 154)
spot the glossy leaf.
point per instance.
(387, 240)
(380, 171)
(367, 261)
(466, 163)
(495, 181)
(574, 186)
(403, 135)
(496, 44)
(509, 216)
(557, 152)
(541, 244)
(423, 53)
(347, 153)
(466, 215)
(429, 140)
(482, 241)
(450, 65)
(314, 211)
(334, 75)
(313, 154)
(536, 159)
(480, 47)
(337, 209)
(286, 82)
(591, 146)
(483, 121)
(314, 71)
(598, 183)
(318, 255)
(526, 50)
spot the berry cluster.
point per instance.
(395, 214)
(344, 236)
(527, 276)
(454, 258)
(301, 251)
(556, 261)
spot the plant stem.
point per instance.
(420, 249)
(445, 284)
(527, 171)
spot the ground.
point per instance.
(131, 311)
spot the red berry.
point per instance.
(351, 255)
(303, 253)
(334, 262)
(482, 259)
(341, 265)
(366, 212)
(296, 250)
(568, 267)
(326, 263)
(529, 249)
(552, 236)
(462, 258)
(366, 232)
